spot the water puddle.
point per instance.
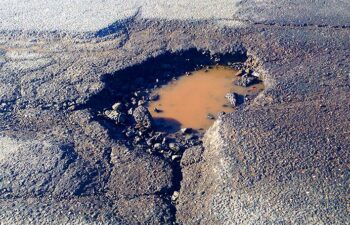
(194, 101)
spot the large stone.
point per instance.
(118, 117)
(143, 117)
(246, 80)
(232, 98)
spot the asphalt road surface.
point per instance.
(282, 159)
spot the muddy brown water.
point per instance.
(187, 101)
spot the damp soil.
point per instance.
(187, 101)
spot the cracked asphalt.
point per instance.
(284, 159)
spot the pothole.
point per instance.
(210, 83)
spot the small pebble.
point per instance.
(211, 116)
(157, 146)
(175, 196)
(154, 97)
(186, 130)
(175, 157)
(137, 139)
(175, 147)
(129, 134)
(232, 98)
(157, 110)
(73, 107)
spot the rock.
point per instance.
(157, 146)
(72, 107)
(237, 66)
(137, 93)
(232, 98)
(211, 116)
(117, 106)
(143, 117)
(116, 116)
(246, 80)
(190, 137)
(113, 115)
(174, 147)
(140, 102)
(157, 110)
(255, 74)
(186, 130)
(154, 97)
(133, 101)
(129, 134)
(157, 138)
(137, 139)
(175, 157)
(149, 142)
(175, 196)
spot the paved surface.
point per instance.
(82, 16)
(283, 159)
(92, 15)
(299, 12)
